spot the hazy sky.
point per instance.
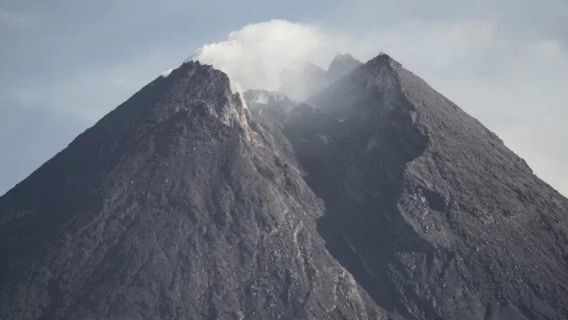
(65, 63)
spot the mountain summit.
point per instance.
(173, 206)
(427, 208)
(378, 198)
(340, 66)
(303, 80)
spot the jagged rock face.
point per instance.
(378, 198)
(428, 209)
(340, 66)
(302, 81)
(173, 206)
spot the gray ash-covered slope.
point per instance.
(173, 206)
(431, 213)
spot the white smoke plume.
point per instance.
(255, 56)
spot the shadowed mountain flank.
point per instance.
(428, 209)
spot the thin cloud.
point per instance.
(256, 55)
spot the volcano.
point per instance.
(375, 198)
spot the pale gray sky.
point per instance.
(65, 63)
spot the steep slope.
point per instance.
(428, 209)
(173, 206)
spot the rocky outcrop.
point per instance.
(341, 66)
(304, 80)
